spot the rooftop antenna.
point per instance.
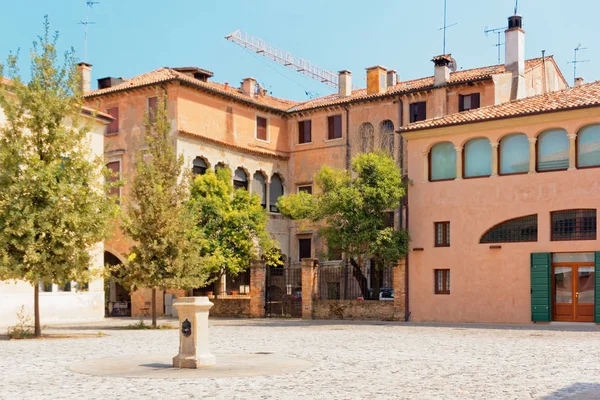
(499, 43)
(89, 4)
(516, 6)
(445, 27)
(576, 61)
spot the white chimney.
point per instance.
(249, 87)
(441, 74)
(515, 56)
(84, 71)
(578, 81)
(392, 78)
(345, 83)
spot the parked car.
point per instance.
(386, 294)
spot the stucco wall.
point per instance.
(489, 285)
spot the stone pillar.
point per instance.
(425, 166)
(459, 162)
(572, 150)
(193, 333)
(532, 158)
(309, 283)
(268, 194)
(258, 276)
(495, 158)
(399, 278)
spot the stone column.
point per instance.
(495, 158)
(268, 194)
(309, 283)
(425, 166)
(258, 275)
(399, 278)
(532, 158)
(572, 151)
(459, 162)
(193, 333)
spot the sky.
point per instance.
(131, 37)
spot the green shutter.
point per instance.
(541, 299)
(597, 287)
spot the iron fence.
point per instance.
(283, 297)
(341, 281)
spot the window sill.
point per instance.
(441, 245)
(446, 293)
(262, 140)
(302, 144)
(333, 140)
(442, 180)
(111, 134)
(476, 177)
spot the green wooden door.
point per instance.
(597, 287)
(541, 298)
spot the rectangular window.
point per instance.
(573, 225)
(418, 111)
(441, 281)
(115, 169)
(113, 127)
(389, 219)
(152, 107)
(306, 189)
(334, 126)
(304, 248)
(468, 102)
(261, 128)
(304, 131)
(442, 234)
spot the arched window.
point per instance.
(260, 188)
(366, 133)
(588, 146)
(442, 162)
(553, 150)
(240, 179)
(275, 192)
(478, 158)
(522, 229)
(219, 166)
(386, 132)
(199, 166)
(514, 154)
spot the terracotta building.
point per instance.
(275, 146)
(503, 210)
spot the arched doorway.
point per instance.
(117, 298)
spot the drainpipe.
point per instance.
(404, 206)
(348, 150)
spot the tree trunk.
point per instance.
(360, 278)
(154, 307)
(36, 311)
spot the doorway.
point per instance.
(573, 287)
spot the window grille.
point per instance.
(522, 229)
(442, 234)
(442, 281)
(573, 225)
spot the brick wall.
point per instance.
(374, 310)
(234, 307)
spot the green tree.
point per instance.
(53, 210)
(351, 208)
(166, 253)
(233, 225)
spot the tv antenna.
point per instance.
(576, 61)
(498, 32)
(446, 26)
(89, 4)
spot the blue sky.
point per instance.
(134, 36)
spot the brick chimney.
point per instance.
(345, 83)
(392, 78)
(376, 79)
(84, 71)
(441, 74)
(249, 87)
(515, 56)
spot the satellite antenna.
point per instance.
(576, 61)
(445, 27)
(498, 32)
(89, 4)
(453, 65)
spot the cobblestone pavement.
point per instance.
(351, 360)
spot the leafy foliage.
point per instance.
(351, 209)
(233, 224)
(53, 210)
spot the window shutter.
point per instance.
(422, 111)
(541, 306)
(474, 101)
(597, 287)
(331, 127)
(113, 127)
(461, 103)
(307, 131)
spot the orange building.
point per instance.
(275, 146)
